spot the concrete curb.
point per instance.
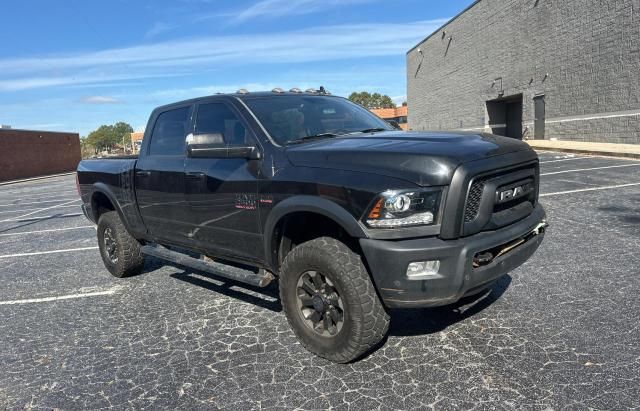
(590, 152)
(25, 180)
(597, 149)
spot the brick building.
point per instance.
(27, 153)
(565, 69)
(398, 114)
(136, 141)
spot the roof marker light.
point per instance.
(243, 91)
(277, 90)
(295, 90)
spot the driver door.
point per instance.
(221, 193)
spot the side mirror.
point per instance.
(394, 124)
(248, 152)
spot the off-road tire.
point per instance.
(129, 259)
(365, 319)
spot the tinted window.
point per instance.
(217, 118)
(290, 118)
(169, 132)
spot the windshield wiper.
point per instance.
(369, 130)
(313, 137)
(372, 130)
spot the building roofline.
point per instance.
(39, 131)
(444, 25)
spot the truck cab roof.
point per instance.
(244, 94)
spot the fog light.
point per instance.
(420, 269)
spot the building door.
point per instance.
(505, 116)
(514, 119)
(540, 115)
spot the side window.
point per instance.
(168, 137)
(217, 118)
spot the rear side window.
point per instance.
(217, 118)
(169, 133)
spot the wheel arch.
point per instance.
(102, 198)
(309, 205)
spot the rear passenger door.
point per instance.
(221, 193)
(160, 176)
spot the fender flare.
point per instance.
(304, 203)
(102, 188)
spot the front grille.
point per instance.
(473, 201)
(483, 212)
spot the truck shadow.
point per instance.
(267, 297)
(31, 221)
(410, 322)
(624, 214)
(404, 322)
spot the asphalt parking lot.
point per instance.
(561, 331)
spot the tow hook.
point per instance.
(486, 257)
(540, 228)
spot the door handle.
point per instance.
(143, 173)
(195, 176)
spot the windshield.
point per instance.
(290, 119)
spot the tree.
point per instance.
(106, 137)
(370, 101)
(122, 132)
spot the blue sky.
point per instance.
(76, 64)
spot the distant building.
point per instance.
(538, 69)
(398, 114)
(30, 153)
(136, 141)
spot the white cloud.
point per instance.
(74, 81)
(159, 28)
(174, 58)
(278, 8)
(399, 99)
(100, 100)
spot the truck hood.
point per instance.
(424, 158)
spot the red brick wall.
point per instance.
(36, 153)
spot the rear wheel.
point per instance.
(120, 252)
(330, 302)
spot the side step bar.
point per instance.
(261, 279)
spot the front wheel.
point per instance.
(330, 302)
(119, 250)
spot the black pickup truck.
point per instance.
(352, 216)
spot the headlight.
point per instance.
(395, 209)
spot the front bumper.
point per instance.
(457, 276)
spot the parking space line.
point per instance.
(589, 189)
(31, 209)
(565, 159)
(47, 231)
(110, 291)
(36, 192)
(40, 209)
(68, 250)
(589, 169)
(34, 198)
(46, 217)
(35, 202)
